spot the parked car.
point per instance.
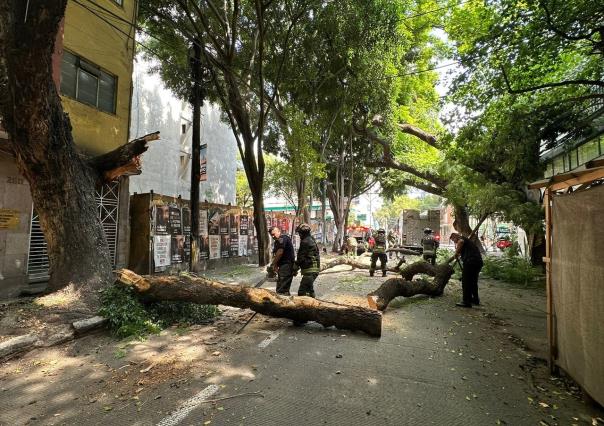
(503, 243)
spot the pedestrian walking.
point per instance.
(379, 252)
(283, 260)
(471, 262)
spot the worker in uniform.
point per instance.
(379, 252)
(471, 262)
(429, 246)
(283, 260)
(308, 261)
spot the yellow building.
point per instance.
(92, 64)
(96, 71)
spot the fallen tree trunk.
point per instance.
(407, 286)
(298, 308)
(356, 264)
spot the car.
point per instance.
(503, 243)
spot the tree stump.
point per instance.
(406, 286)
(185, 288)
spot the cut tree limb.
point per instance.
(298, 308)
(407, 286)
(122, 160)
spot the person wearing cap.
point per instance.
(283, 260)
(308, 261)
(429, 246)
(379, 252)
(471, 262)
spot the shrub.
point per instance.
(512, 269)
(128, 316)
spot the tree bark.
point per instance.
(196, 101)
(263, 301)
(462, 225)
(62, 184)
(407, 286)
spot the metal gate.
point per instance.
(107, 199)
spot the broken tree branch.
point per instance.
(122, 160)
(185, 288)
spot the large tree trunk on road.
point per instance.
(407, 287)
(298, 308)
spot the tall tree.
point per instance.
(62, 182)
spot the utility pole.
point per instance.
(196, 100)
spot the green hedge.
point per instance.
(128, 316)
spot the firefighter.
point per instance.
(429, 246)
(379, 252)
(472, 263)
(308, 261)
(283, 260)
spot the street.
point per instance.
(434, 364)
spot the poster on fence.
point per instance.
(225, 242)
(204, 247)
(162, 214)
(214, 221)
(161, 252)
(214, 246)
(174, 221)
(187, 250)
(203, 162)
(203, 223)
(234, 245)
(186, 221)
(243, 245)
(177, 249)
(224, 222)
(243, 224)
(234, 223)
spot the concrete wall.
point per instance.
(167, 164)
(15, 208)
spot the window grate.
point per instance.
(107, 199)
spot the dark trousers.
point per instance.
(383, 261)
(284, 278)
(307, 285)
(469, 283)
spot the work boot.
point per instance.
(383, 273)
(463, 305)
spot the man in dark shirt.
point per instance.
(472, 264)
(283, 260)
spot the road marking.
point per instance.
(270, 339)
(189, 405)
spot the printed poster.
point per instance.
(204, 247)
(162, 215)
(234, 245)
(243, 224)
(186, 221)
(224, 223)
(161, 252)
(174, 221)
(225, 242)
(187, 251)
(214, 221)
(214, 246)
(203, 163)
(234, 223)
(203, 223)
(243, 245)
(177, 248)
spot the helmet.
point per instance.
(303, 228)
(427, 231)
(381, 231)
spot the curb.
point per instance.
(21, 344)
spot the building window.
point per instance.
(573, 159)
(87, 83)
(588, 151)
(558, 164)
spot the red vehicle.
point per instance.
(503, 243)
